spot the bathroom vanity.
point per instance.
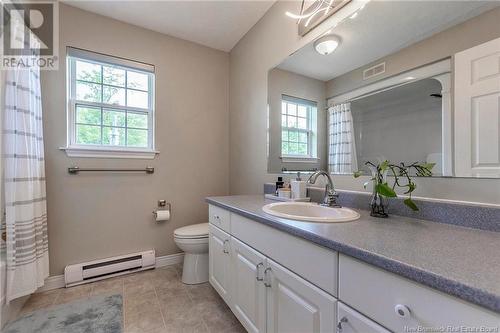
(371, 275)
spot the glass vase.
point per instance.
(379, 206)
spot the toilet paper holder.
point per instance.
(163, 205)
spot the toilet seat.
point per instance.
(195, 231)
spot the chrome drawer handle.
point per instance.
(339, 325)
(217, 218)
(224, 246)
(257, 271)
(402, 311)
(266, 279)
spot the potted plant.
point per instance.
(402, 179)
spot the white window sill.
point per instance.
(92, 152)
(298, 159)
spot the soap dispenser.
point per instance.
(299, 187)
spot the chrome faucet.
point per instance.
(331, 196)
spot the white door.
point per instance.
(351, 321)
(248, 291)
(295, 305)
(477, 110)
(220, 262)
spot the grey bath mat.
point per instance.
(99, 314)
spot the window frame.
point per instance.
(74, 149)
(310, 131)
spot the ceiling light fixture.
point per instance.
(326, 44)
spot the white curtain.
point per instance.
(25, 216)
(341, 147)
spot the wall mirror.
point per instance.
(384, 85)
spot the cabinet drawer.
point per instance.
(314, 263)
(219, 217)
(351, 321)
(403, 305)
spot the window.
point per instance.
(298, 127)
(111, 105)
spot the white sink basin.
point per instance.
(311, 212)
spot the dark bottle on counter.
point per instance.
(279, 184)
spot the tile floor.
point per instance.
(154, 301)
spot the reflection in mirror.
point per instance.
(401, 124)
(376, 98)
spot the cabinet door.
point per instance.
(477, 111)
(295, 305)
(351, 321)
(248, 290)
(220, 262)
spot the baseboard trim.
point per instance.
(57, 281)
(171, 259)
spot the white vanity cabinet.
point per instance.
(263, 294)
(275, 282)
(219, 270)
(267, 297)
(248, 289)
(402, 305)
(295, 305)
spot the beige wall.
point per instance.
(281, 82)
(98, 215)
(473, 32)
(272, 39)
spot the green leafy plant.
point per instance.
(402, 178)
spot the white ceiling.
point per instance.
(380, 29)
(217, 24)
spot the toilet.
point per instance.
(193, 240)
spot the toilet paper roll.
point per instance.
(162, 215)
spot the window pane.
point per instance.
(284, 148)
(302, 149)
(302, 123)
(137, 80)
(292, 122)
(113, 95)
(284, 135)
(302, 111)
(137, 99)
(114, 136)
(293, 148)
(88, 71)
(113, 76)
(88, 115)
(283, 107)
(283, 120)
(113, 118)
(292, 109)
(303, 137)
(137, 120)
(293, 136)
(88, 92)
(137, 138)
(87, 134)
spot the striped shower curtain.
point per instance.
(25, 212)
(341, 145)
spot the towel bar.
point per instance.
(75, 170)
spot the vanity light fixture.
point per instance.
(319, 6)
(310, 17)
(326, 44)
